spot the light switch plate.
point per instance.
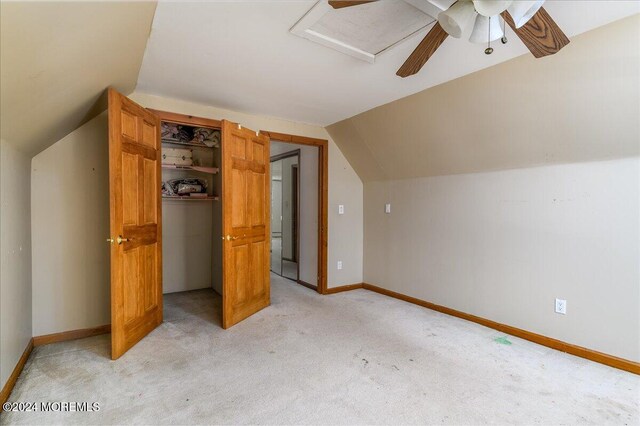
(341, 209)
(387, 208)
(339, 264)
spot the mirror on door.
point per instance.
(285, 215)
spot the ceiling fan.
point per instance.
(527, 18)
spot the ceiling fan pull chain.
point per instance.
(504, 32)
(489, 49)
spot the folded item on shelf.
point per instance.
(167, 190)
(169, 131)
(175, 132)
(208, 137)
(186, 186)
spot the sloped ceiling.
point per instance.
(240, 55)
(56, 60)
(579, 105)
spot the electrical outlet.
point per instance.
(339, 264)
(341, 209)
(561, 306)
(387, 208)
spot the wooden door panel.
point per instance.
(130, 285)
(150, 199)
(238, 146)
(239, 199)
(257, 197)
(246, 209)
(136, 217)
(148, 134)
(258, 153)
(240, 278)
(256, 261)
(129, 189)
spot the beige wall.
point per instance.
(70, 225)
(513, 186)
(503, 245)
(15, 257)
(70, 218)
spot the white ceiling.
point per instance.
(240, 55)
(365, 31)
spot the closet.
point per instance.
(189, 208)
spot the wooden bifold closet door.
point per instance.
(136, 222)
(246, 225)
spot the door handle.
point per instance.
(121, 240)
(229, 238)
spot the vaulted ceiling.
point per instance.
(241, 56)
(58, 57)
(580, 105)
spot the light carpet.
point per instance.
(350, 358)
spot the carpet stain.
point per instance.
(502, 340)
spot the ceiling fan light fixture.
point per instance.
(455, 19)
(523, 10)
(486, 29)
(491, 7)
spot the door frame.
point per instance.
(289, 154)
(323, 196)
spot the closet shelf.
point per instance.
(189, 198)
(176, 142)
(209, 170)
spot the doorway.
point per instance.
(285, 210)
(316, 165)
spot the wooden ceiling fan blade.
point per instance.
(541, 35)
(427, 47)
(347, 3)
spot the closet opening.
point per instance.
(295, 212)
(191, 218)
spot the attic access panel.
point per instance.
(367, 30)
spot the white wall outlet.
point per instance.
(339, 264)
(387, 208)
(341, 209)
(561, 306)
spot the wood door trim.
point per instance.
(323, 196)
(188, 120)
(302, 140)
(582, 352)
(71, 335)
(13, 378)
